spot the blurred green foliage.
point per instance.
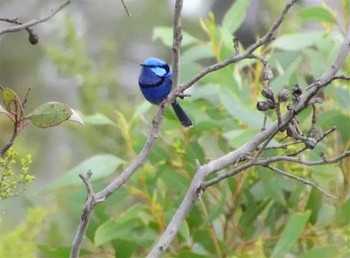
(255, 213)
(21, 241)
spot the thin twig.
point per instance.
(284, 145)
(269, 36)
(126, 8)
(33, 22)
(325, 134)
(302, 180)
(270, 160)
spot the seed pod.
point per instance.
(283, 95)
(296, 90)
(262, 106)
(33, 38)
(266, 73)
(271, 104)
(267, 93)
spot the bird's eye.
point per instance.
(166, 68)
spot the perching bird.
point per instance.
(155, 83)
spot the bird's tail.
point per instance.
(181, 114)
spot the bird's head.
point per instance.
(157, 66)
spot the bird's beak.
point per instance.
(142, 65)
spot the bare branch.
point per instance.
(325, 134)
(8, 145)
(33, 22)
(85, 217)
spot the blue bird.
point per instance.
(155, 83)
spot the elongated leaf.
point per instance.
(127, 227)
(235, 15)
(318, 14)
(195, 53)
(239, 110)
(97, 119)
(50, 114)
(323, 252)
(281, 81)
(165, 34)
(296, 41)
(100, 165)
(295, 226)
(113, 228)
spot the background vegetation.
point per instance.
(93, 65)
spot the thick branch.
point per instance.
(140, 159)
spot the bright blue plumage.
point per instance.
(155, 84)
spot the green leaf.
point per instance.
(113, 228)
(343, 217)
(196, 53)
(50, 114)
(282, 80)
(314, 204)
(333, 117)
(141, 109)
(296, 41)
(127, 226)
(292, 231)
(100, 165)
(97, 119)
(239, 110)
(165, 34)
(318, 14)
(217, 211)
(235, 15)
(324, 252)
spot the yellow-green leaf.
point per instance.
(8, 97)
(318, 14)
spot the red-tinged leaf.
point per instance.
(50, 114)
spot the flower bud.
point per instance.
(266, 73)
(267, 93)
